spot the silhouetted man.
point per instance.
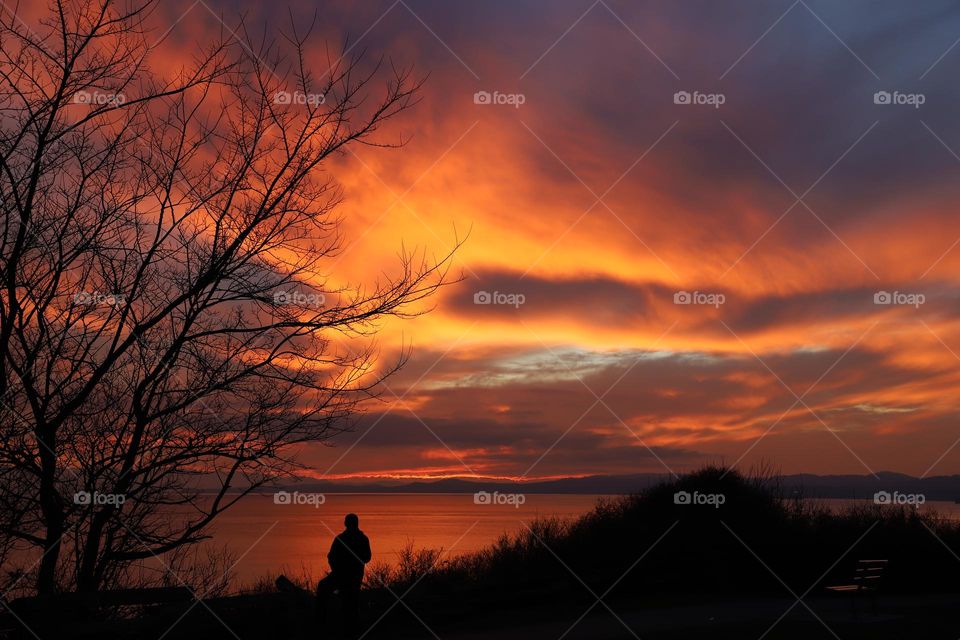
(348, 553)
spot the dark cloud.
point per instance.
(540, 408)
(597, 301)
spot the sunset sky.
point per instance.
(597, 199)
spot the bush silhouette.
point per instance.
(747, 543)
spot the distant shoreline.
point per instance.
(850, 487)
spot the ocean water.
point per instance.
(270, 538)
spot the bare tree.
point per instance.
(167, 323)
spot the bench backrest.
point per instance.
(869, 573)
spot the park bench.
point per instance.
(78, 611)
(866, 581)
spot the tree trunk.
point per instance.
(87, 579)
(52, 511)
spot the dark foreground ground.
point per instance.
(906, 617)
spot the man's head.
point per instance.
(351, 521)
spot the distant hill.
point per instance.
(803, 484)
(864, 486)
(613, 484)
